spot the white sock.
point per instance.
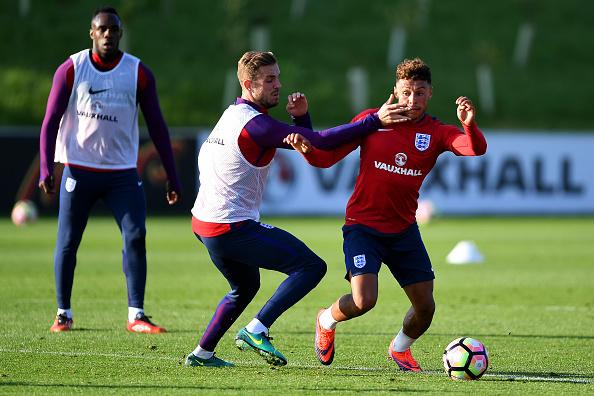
(256, 327)
(402, 342)
(327, 321)
(67, 312)
(202, 353)
(132, 311)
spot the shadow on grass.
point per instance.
(391, 334)
(222, 388)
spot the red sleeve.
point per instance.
(142, 82)
(470, 143)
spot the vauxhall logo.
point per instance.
(400, 160)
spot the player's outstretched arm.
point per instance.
(316, 157)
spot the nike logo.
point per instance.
(93, 92)
(139, 183)
(257, 342)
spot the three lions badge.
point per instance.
(422, 141)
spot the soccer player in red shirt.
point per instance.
(380, 215)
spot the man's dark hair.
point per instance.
(413, 69)
(105, 10)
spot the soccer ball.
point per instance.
(465, 359)
(425, 211)
(23, 212)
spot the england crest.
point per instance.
(422, 141)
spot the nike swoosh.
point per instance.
(257, 342)
(139, 183)
(93, 92)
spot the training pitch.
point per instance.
(531, 303)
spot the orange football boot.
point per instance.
(324, 342)
(404, 360)
(142, 324)
(61, 323)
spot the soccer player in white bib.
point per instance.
(233, 164)
(91, 126)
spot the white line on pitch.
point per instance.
(511, 377)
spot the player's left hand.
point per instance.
(297, 104)
(465, 110)
(298, 142)
(172, 196)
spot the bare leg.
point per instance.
(362, 298)
(418, 318)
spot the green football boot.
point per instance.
(194, 361)
(260, 343)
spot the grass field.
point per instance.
(531, 303)
(191, 44)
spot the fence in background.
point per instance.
(523, 173)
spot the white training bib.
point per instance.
(231, 189)
(99, 128)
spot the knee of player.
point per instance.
(319, 266)
(365, 302)
(245, 292)
(135, 234)
(426, 309)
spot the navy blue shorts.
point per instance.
(404, 253)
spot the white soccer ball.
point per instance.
(425, 211)
(23, 212)
(465, 359)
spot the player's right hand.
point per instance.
(392, 113)
(298, 142)
(48, 185)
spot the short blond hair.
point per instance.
(413, 69)
(249, 64)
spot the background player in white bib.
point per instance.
(91, 126)
(233, 165)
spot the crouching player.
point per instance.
(380, 215)
(233, 165)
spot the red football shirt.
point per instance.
(393, 164)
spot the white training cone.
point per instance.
(465, 252)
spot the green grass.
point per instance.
(191, 44)
(531, 303)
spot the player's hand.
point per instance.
(465, 110)
(297, 104)
(392, 113)
(298, 142)
(48, 185)
(172, 196)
